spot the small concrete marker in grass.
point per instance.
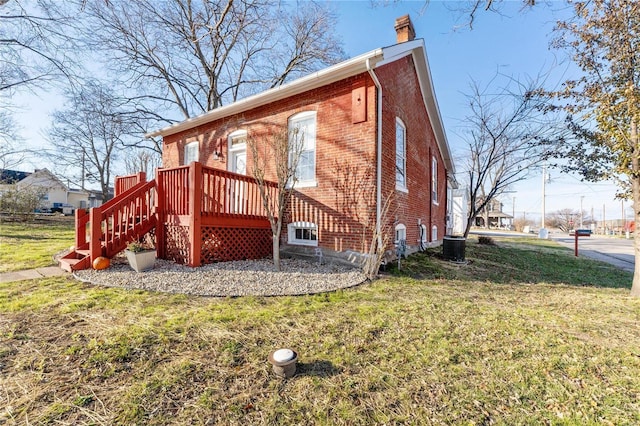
(283, 362)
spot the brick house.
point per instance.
(375, 156)
(371, 122)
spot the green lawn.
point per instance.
(33, 244)
(502, 340)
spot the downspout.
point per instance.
(376, 82)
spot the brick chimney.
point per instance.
(404, 29)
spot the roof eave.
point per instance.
(320, 78)
(418, 50)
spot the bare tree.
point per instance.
(10, 154)
(142, 160)
(469, 9)
(184, 58)
(504, 135)
(34, 42)
(564, 219)
(86, 134)
(281, 152)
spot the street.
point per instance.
(617, 251)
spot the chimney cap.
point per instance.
(404, 29)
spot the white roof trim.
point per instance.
(354, 66)
(320, 78)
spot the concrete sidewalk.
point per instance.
(31, 274)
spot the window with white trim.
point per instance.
(191, 152)
(434, 180)
(401, 233)
(238, 140)
(434, 233)
(302, 144)
(238, 152)
(401, 155)
(302, 233)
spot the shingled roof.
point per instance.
(12, 176)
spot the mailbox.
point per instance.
(580, 233)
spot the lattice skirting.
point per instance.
(177, 243)
(225, 244)
(219, 244)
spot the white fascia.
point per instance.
(418, 50)
(320, 78)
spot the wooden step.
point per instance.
(75, 261)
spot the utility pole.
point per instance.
(83, 172)
(604, 222)
(581, 198)
(544, 180)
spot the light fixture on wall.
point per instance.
(217, 155)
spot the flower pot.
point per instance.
(141, 260)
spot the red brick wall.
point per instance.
(342, 202)
(402, 98)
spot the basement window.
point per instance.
(401, 233)
(303, 233)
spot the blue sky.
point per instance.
(513, 42)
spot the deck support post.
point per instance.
(161, 249)
(195, 217)
(81, 224)
(95, 232)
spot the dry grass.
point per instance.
(400, 350)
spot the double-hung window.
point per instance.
(302, 147)
(434, 180)
(401, 155)
(191, 152)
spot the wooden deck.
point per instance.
(207, 215)
(198, 215)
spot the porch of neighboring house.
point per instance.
(197, 214)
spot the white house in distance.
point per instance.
(56, 194)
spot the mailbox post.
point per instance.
(581, 233)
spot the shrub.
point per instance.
(486, 240)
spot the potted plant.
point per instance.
(140, 256)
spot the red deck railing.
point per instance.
(196, 196)
(191, 196)
(217, 193)
(124, 183)
(114, 225)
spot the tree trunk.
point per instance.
(468, 227)
(276, 252)
(635, 188)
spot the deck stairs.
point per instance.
(107, 230)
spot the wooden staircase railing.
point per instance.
(128, 218)
(123, 219)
